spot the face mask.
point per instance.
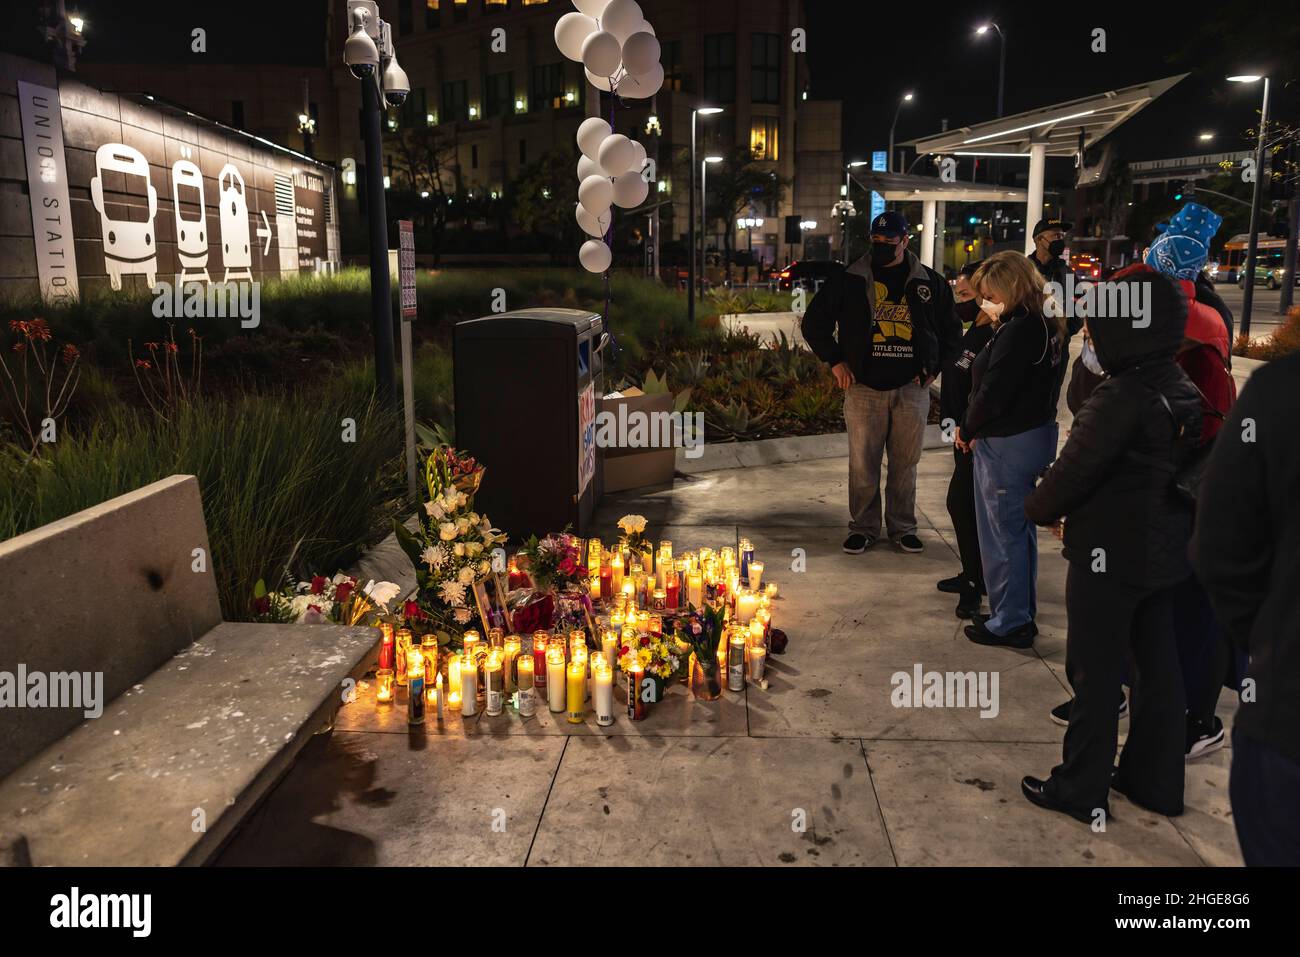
(994, 309)
(968, 311)
(1056, 247)
(1090, 360)
(882, 254)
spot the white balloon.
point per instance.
(592, 8)
(615, 154)
(644, 27)
(638, 157)
(594, 256)
(630, 190)
(642, 85)
(570, 30)
(596, 193)
(621, 18)
(591, 133)
(640, 53)
(587, 167)
(599, 82)
(601, 53)
(591, 225)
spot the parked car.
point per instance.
(1085, 266)
(808, 273)
(1269, 272)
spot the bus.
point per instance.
(1270, 254)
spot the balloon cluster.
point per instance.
(619, 53)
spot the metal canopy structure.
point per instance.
(1059, 130)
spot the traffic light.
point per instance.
(1181, 188)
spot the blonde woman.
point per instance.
(1010, 426)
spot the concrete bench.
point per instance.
(200, 717)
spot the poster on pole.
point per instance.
(406, 267)
(586, 437)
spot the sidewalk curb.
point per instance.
(717, 456)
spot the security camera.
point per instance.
(396, 84)
(359, 51)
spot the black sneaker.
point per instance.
(856, 544)
(1061, 713)
(1202, 738)
(968, 605)
(951, 586)
(1022, 637)
(910, 543)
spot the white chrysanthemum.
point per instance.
(430, 556)
(632, 524)
(452, 592)
(462, 616)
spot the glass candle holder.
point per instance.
(755, 575)
(384, 679)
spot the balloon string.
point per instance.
(609, 237)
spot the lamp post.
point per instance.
(749, 224)
(1252, 248)
(704, 213)
(847, 208)
(1002, 57)
(907, 98)
(805, 227)
(690, 214)
(369, 55)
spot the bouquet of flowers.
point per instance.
(555, 562)
(702, 630)
(634, 537)
(338, 600)
(452, 548)
(659, 657)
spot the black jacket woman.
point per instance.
(1126, 533)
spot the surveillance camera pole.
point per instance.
(381, 300)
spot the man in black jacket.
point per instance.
(1049, 244)
(885, 326)
(1125, 538)
(1247, 555)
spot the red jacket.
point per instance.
(1206, 362)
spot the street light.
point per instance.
(1002, 57)
(1205, 137)
(845, 206)
(369, 54)
(907, 98)
(1248, 287)
(749, 224)
(704, 212)
(690, 213)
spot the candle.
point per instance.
(577, 690)
(402, 650)
(415, 694)
(629, 594)
(606, 582)
(746, 556)
(771, 590)
(755, 575)
(468, 686)
(746, 605)
(595, 551)
(527, 697)
(577, 639)
(736, 661)
(437, 696)
(555, 677)
(659, 600)
(635, 706)
(616, 620)
(414, 663)
(664, 564)
(764, 619)
(757, 663)
(429, 649)
(496, 637)
(494, 681)
(541, 641)
(609, 642)
(580, 657)
(603, 676)
(512, 649)
(387, 646)
(616, 573)
(670, 592)
(453, 676)
(757, 634)
(655, 625)
(695, 589)
(468, 642)
(384, 686)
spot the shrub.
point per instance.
(1284, 340)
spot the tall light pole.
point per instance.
(1252, 248)
(907, 98)
(369, 55)
(848, 198)
(690, 214)
(749, 224)
(704, 212)
(1002, 57)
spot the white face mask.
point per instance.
(994, 309)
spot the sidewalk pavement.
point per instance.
(730, 782)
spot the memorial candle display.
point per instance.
(468, 686)
(555, 689)
(384, 686)
(494, 682)
(526, 696)
(577, 690)
(736, 661)
(603, 698)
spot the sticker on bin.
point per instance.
(587, 434)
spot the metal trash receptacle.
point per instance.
(526, 389)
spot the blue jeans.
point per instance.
(1006, 468)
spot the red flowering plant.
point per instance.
(39, 380)
(163, 380)
(555, 562)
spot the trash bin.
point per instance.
(526, 390)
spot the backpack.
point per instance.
(1185, 479)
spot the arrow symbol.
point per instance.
(265, 230)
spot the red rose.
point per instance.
(262, 606)
(623, 651)
(412, 610)
(645, 642)
(568, 567)
(344, 590)
(317, 584)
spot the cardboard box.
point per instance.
(636, 467)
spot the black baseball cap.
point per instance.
(890, 223)
(1043, 225)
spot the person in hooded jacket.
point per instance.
(1125, 538)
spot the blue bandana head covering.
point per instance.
(1184, 242)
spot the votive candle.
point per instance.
(577, 690)
(387, 646)
(403, 646)
(695, 588)
(512, 648)
(541, 641)
(555, 690)
(736, 661)
(757, 662)
(384, 686)
(616, 573)
(746, 605)
(635, 706)
(755, 574)
(527, 696)
(494, 680)
(603, 677)
(468, 686)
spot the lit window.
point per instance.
(763, 136)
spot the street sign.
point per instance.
(879, 164)
(406, 266)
